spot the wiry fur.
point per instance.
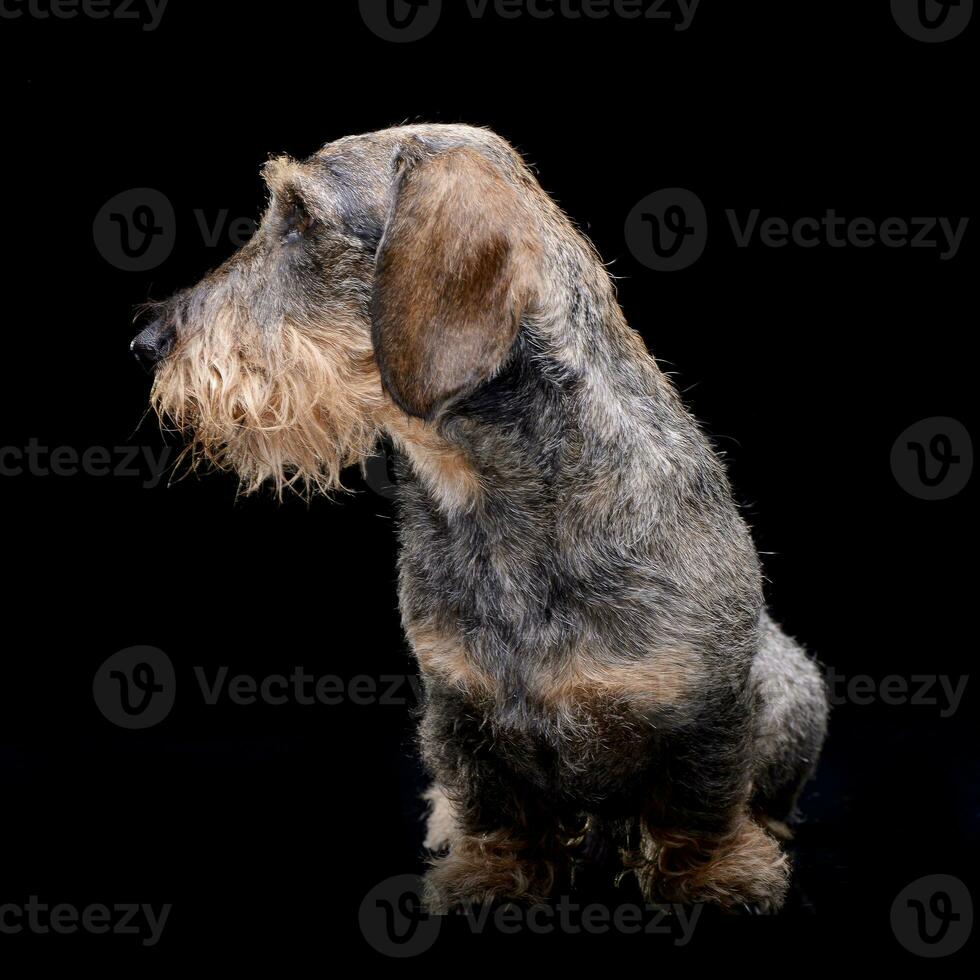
(744, 865)
(293, 407)
(582, 595)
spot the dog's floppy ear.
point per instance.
(454, 276)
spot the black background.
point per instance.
(266, 825)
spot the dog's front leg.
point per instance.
(481, 866)
(698, 839)
(741, 866)
(496, 844)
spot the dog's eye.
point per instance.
(297, 224)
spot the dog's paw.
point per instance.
(483, 870)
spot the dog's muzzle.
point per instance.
(152, 345)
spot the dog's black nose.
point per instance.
(153, 344)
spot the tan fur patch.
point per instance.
(294, 405)
(482, 868)
(445, 470)
(661, 679)
(780, 830)
(443, 653)
(743, 866)
(442, 826)
(281, 174)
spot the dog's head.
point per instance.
(389, 274)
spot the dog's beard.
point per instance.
(292, 409)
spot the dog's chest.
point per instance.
(586, 747)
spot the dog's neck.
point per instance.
(442, 467)
(579, 404)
